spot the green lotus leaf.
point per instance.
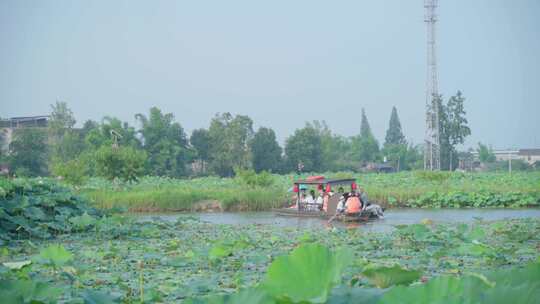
(384, 277)
(307, 274)
(440, 290)
(82, 221)
(95, 297)
(55, 255)
(27, 291)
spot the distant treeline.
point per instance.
(160, 146)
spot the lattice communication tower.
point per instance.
(432, 150)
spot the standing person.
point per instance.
(364, 198)
(320, 200)
(342, 201)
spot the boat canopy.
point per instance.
(325, 181)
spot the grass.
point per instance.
(404, 189)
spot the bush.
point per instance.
(252, 179)
(73, 171)
(125, 163)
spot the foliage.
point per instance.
(365, 145)
(253, 179)
(124, 163)
(307, 274)
(99, 135)
(55, 255)
(394, 135)
(304, 147)
(62, 119)
(384, 277)
(265, 150)
(453, 128)
(485, 153)
(164, 261)
(404, 189)
(72, 171)
(28, 152)
(37, 209)
(165, 143)
(229, 143)
(200, 141)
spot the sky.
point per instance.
(280, 62)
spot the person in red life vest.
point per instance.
(353, 205)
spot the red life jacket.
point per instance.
(353, 205)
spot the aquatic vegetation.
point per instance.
(404, 189)
(38, 208)
(129, 261)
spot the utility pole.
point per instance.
(432, 148)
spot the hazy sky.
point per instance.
(280, 62)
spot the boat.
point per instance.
(331, 199)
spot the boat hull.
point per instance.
(320, 214)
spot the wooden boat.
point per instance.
(305, 210)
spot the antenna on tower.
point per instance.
(432, 149)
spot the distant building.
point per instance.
(8, 125)
(529, 156)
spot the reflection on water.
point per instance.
(392, 217)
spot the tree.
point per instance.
(165, 143)
(395, 146)
(305, 147)
(98, 135)
(453, 128)
(200, 141)
(62, 119)
(457, 124)
(66, 143)
(365, 146)
(265, 150)
(394, 135)
(485, 154)
(229, 138)
(28, 152)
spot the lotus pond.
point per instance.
(121, 259)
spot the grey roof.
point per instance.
(529, 152)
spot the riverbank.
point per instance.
(398, 190)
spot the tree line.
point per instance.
(160, 146)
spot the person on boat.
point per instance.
(319, 202)
(353, 205)
(363, 198)
(310, 200)
(342, 200)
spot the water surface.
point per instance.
(392, 217)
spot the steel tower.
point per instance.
(432, 150)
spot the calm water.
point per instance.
(392, 217)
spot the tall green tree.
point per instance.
(200, 141)
(366, 147)
(229, 148)
(485, 153)
(28, 152)
(61, 120)
(336, 149)
(457, 128)
(304, 147)
(394, 135)
(66, 142)
(453, 128)
(395, 147)
(165, 143)
(265, 150)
